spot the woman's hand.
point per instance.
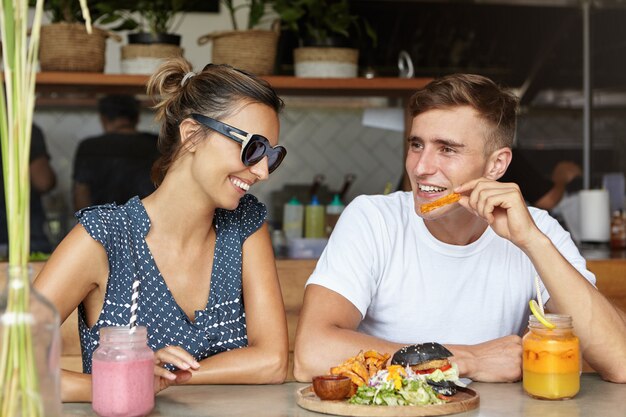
(181, 359)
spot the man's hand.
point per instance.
(498, 360)
(178, 357)
(502, 206)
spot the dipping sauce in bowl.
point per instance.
(332, 387)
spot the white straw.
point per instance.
(134, 305)
(539, 300)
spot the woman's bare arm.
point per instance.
(265, 359)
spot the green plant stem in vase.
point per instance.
(29, 334)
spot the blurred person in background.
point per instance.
(539, 191)
(114, 166)
(42, 180)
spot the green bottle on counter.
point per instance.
(314, 219)
(293, 217)
(333, 211)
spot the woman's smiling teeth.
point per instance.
(430, 188)
(240, 184)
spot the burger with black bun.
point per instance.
(430, 360)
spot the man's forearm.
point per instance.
(598, 324)
(317, 351)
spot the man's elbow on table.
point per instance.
(303, 361)
(618, 378)
(616, 373)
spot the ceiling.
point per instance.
(533, 44)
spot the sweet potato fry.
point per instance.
(360, 369)
(448, 199)
(373, 354)
(338, 370)
(357, 380)
(372, 366)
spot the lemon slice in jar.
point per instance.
(534, 308)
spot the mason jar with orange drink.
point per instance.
(551, 362)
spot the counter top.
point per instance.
(596, 398)
(601, 252)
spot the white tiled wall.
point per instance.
(332, 142)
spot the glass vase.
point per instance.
(30, 351)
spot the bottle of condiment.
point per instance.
(314, 219)
(333, 211)
(279, 243)
(618, 230)
(293, 219)
(123, 373)
(551, 360)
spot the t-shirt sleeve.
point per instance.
(350, 263)
(252, 215)
(565, 245)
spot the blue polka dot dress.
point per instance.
(221, 326)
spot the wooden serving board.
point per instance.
(464, 400)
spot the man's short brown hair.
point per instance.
(494, 104)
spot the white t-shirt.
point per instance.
(412, 288)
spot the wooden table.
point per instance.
(596, 398)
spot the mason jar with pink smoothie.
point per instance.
(123, 373)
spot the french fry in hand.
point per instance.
(448, 199)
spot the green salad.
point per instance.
(412, 392)
(396, 385)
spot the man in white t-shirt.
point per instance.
(462, 274)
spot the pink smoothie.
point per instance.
(123, 389)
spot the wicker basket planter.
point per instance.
(249, 50)
(326, 62)
(68, 47)
(145, 58)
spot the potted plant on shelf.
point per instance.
(65, 44)
(152, 23)
(29, 324)
(153, 20)
(251, 49)
(326, 31)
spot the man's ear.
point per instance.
(188, 131)
(497, 163)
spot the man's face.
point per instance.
(446, 149)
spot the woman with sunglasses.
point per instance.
(199, 246)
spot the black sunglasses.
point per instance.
(253, 147)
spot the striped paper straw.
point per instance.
(134, 306)
(539, 300)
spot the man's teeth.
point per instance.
(431, 188)
(240, 184)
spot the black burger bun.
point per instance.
(422, 356)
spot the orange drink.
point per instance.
(551, 359)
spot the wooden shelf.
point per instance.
(56, 85)
(382, 86)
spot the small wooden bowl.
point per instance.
(332, 387)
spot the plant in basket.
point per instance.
(65, 44)
(152, 23)
(326, 30)
(252, 49)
